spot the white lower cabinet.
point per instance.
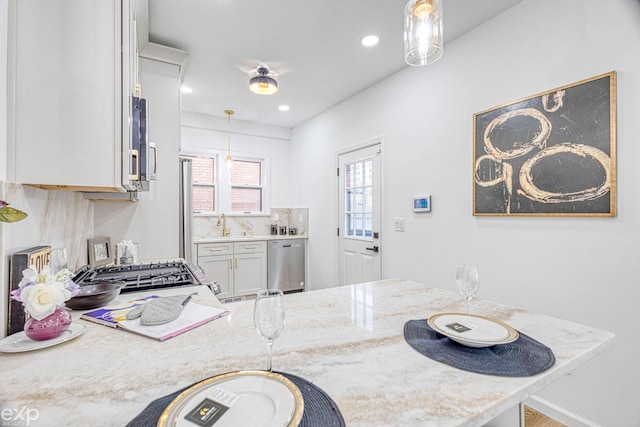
(239, 268)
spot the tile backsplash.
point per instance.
(205, 227)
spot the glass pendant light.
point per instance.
(263, 84)
(423, 40)
(228, 162)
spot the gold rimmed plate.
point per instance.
(242, 398)
(473, 330)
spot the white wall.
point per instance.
(4, 12)
(153, 221)
(581, 269)
(202, 133)
(4, 5)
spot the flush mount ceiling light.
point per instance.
(423, 40)
(228, 162)
(263, 84)
(369, 41)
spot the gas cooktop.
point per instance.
(138, 277)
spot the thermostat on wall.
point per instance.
(422, 203)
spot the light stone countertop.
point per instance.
(347, 340)
(219, 239)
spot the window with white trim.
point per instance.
(246, 186)
(203, 172)
(241, 190)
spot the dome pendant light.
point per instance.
(423, 40)
(262, 83)
(228, 162)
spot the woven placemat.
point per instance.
(319, 409)
(523, 357)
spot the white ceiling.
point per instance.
(313, 47)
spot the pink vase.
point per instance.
(48, 328)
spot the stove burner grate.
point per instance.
(143, 276)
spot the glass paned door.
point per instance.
(359, 213)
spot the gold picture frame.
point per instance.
(100, 252)
(551, 154)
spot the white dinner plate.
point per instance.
(242, 398)
(472, 330)
(19, 342)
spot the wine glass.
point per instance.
(59, 260)
(268, 317)
(468, 281)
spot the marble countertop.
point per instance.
(347, 340)
(219, 239)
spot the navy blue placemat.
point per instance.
(522, 358)
(319, 409)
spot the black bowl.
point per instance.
(94, 295)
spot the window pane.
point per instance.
(367, 202)
(368, 172)
(204, 199)
(202, 169)
(357, 205)
(366, 225)
(246, 173)
(348, 178)
(358, 174)
(349, 224)
(246, 199)
(350, 200)
(357, 225)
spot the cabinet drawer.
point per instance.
(250, 247)
(205, 249)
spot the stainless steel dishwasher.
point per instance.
(285, 265)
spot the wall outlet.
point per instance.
(399, 224)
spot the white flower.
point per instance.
(42, 299)
(63, 276)
(41, 293)
(29, 275)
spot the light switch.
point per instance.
(399, 224)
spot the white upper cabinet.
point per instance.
(72, 71)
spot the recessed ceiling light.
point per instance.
(186, 89)
(370, 41)
(283, 108)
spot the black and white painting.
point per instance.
(549, 154)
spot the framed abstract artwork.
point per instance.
(551, 154)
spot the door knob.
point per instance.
(375, 249)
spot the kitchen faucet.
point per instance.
(225, 231)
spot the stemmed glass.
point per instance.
(59, 260)
(268, 317)
(468, 281)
